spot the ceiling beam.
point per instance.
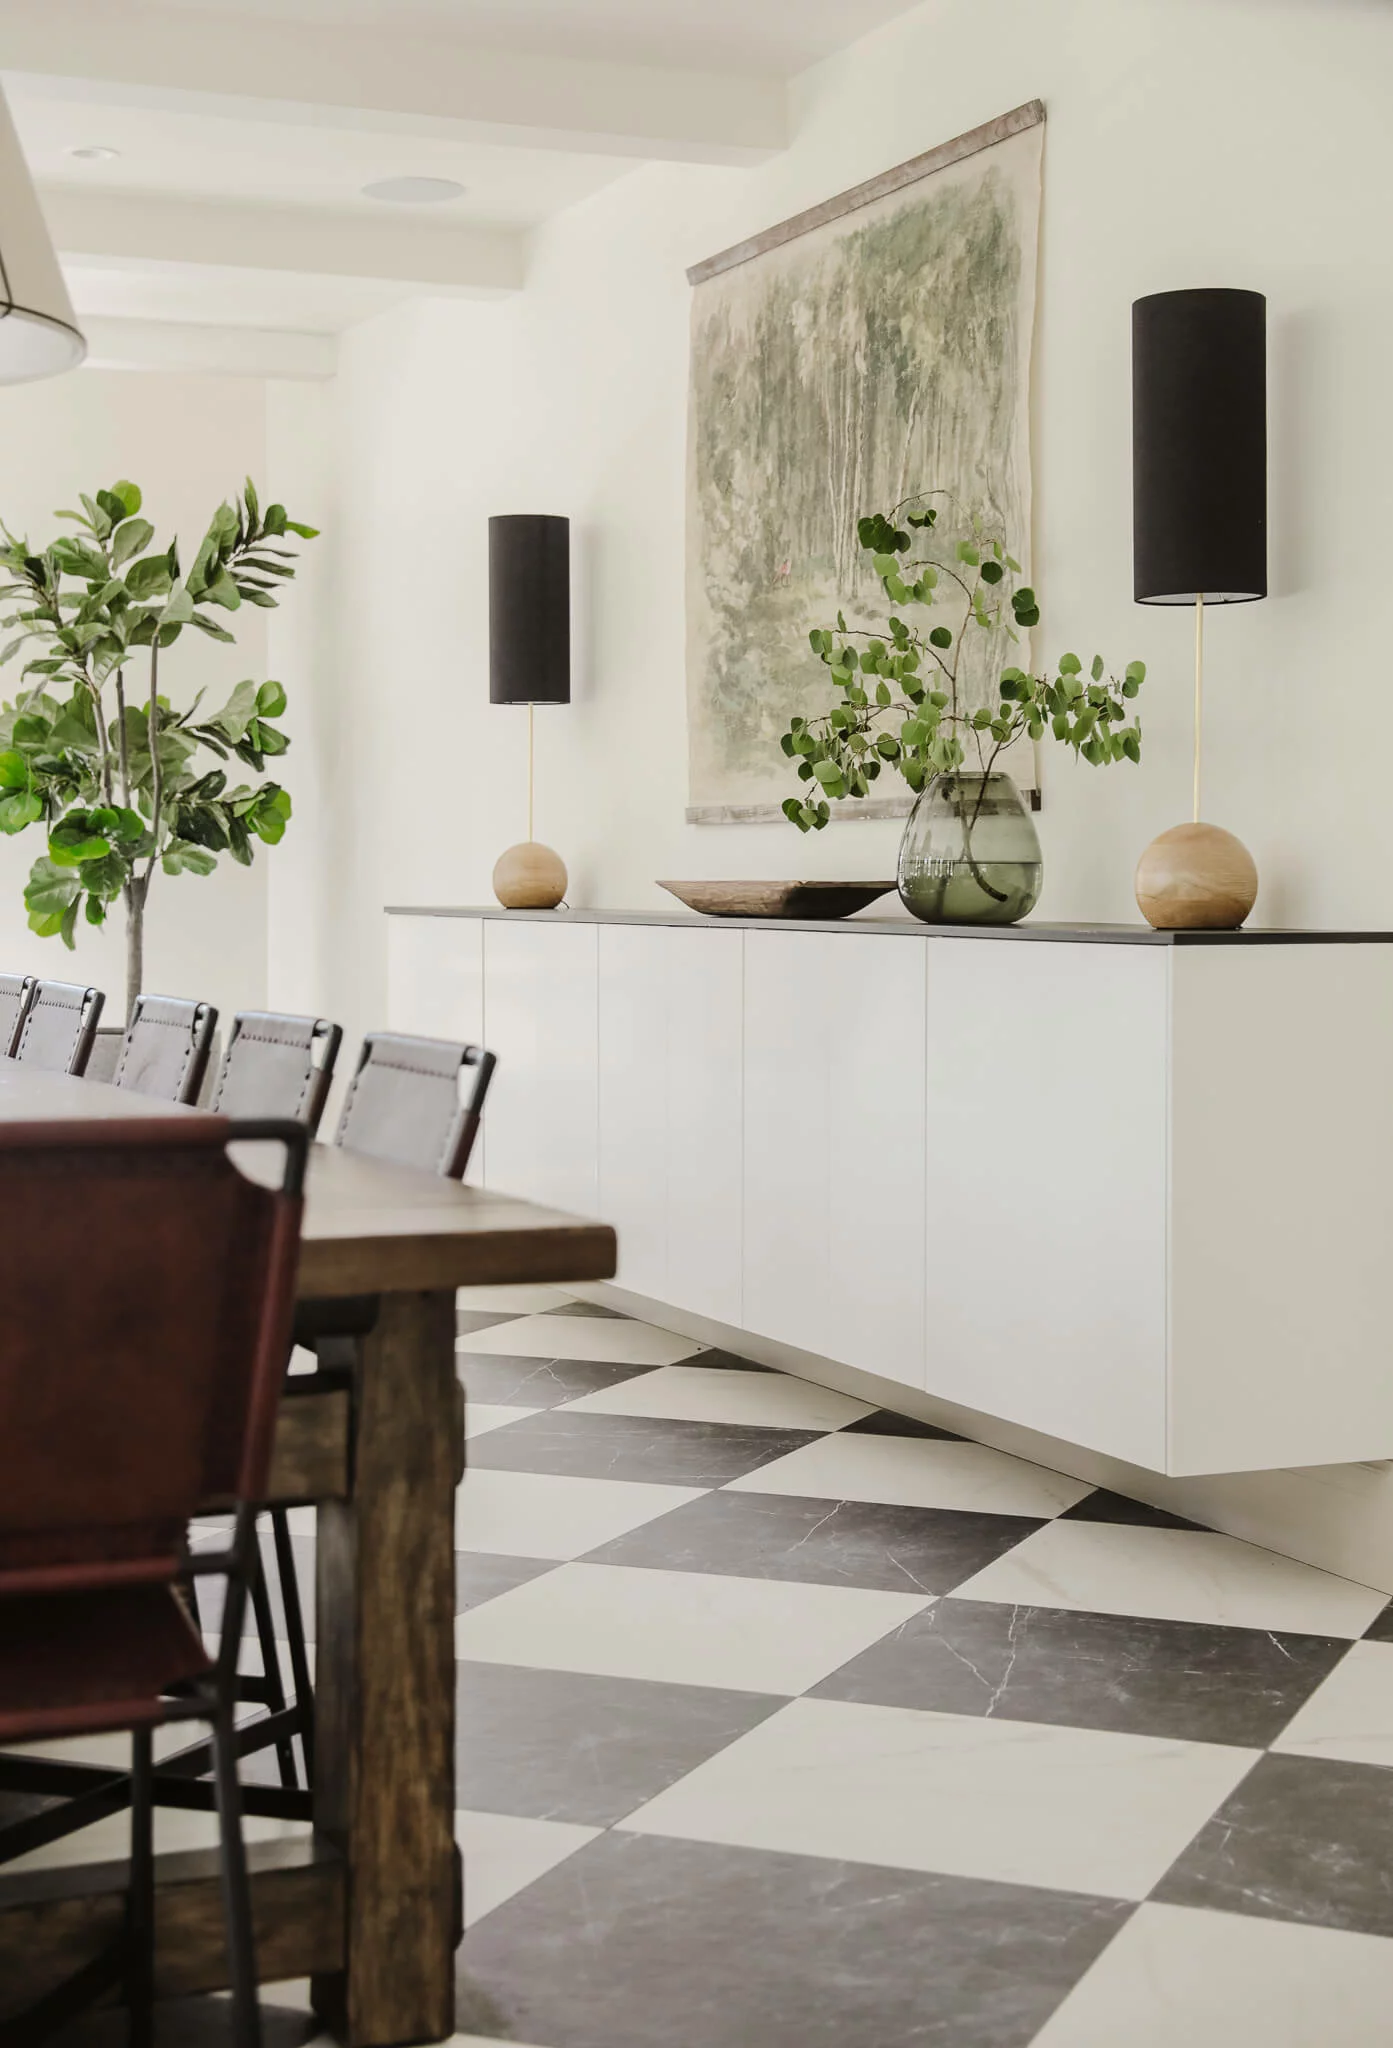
(124, 228)
(159, 57)
(121, 344)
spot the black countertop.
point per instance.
(909, 927)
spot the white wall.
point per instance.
(188, 442)
(1242, 142)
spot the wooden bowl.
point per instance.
(777, 899)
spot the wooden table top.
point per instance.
(369, 1228)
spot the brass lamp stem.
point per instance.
(529, 774)
(1199, 693)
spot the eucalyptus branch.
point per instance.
(922, 732)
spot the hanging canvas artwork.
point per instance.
(876, 346)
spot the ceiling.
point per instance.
(776, 38)
(217, 156)
(242, 134)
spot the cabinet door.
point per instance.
(540, 1019)
(1047, 1187)
(835, 1146)
(705, 1031)
(633, 1101)
(670, 1081)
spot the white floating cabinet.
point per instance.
(1134, 1193)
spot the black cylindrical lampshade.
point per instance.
(1199, 447)
(529, 609)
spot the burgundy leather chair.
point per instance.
(125, 1402)
(15, 991)
(165, 1050)
(59, 1026)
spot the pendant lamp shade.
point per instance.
(529, 609)
(1199, 447)
(38, 335)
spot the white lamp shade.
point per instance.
(38, 334)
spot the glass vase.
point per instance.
(970, 854)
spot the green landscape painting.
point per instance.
(884, 352)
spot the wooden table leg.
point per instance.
(384, 1772)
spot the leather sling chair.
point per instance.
(125, 1402)
(165, 1049)
(59, 1027)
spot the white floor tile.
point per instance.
(541, 1514)
(1224, 1980)
(711, 1393)
(480, 1417)
(109, 1841)
(502, 1855)
(511, 1301)
(1174, 1575)
(1064, 1808)
(687, 1628)
(916, 1472)
(1350, 1715)
(605, 1338)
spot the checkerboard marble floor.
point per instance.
(786, 1722)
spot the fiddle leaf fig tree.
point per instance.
(91, 749)
(903, 701)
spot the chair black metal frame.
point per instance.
(18, 990)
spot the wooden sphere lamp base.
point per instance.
(1196, 878)
(529, 877)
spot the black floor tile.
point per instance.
(505, 1382)
(1380, 1629)
(1102, 1506)
(638, 1940)
(468, 1320)
(562, 1745)
(587, 1446)
(1129, 1674)
(844, 1543)
(483, 1575)
(728, 1360)
(1300, 1839)
(590, 1308)
(885, 1422)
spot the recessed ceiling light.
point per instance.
(95, 153)
(413, 191)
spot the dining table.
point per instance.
(366, 1900)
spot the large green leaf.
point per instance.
(182, 858)
(49, 890)
(149, 577)
(21, 808)
(132, 537)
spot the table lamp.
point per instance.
(1199, 533)
(529, 663)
